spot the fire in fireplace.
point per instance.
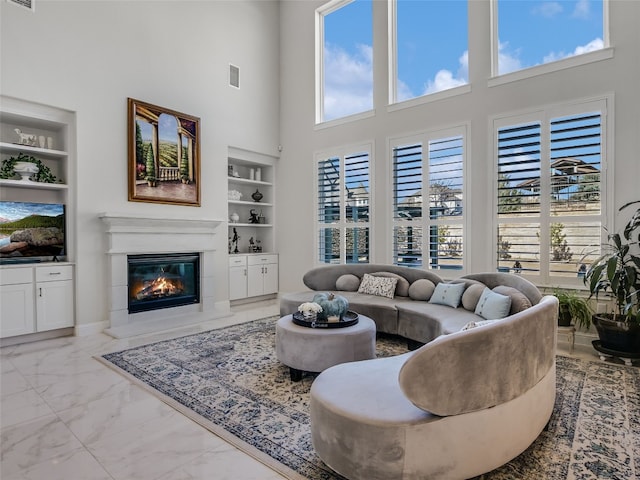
(163, 281)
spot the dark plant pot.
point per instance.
(622, 337)
(564, 317)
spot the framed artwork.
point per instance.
(164, 155)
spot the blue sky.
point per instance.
(432, 44)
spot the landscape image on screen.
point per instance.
(31, 230)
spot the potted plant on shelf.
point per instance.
(16, 165)
(573, 306)
(617, 272)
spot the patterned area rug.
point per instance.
(230, 381)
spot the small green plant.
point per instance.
(573, 306)
(44, 175)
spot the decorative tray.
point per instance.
(348, 319)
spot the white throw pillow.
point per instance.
(492, 305)
(448, 294)
(380, 286)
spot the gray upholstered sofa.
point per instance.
(463, 404)
(419, 321)
(460, 406)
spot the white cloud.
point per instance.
(444, 79)
(593, 45)
(348, 81)
(508, 61)
(582, 9)
(548, 9)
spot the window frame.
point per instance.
(392, 69)
(496, 79)
(343, 224)
(320, 122)
(544, 116)
(462, 130)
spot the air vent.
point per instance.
(28, 4)
(234, 76)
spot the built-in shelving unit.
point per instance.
(253, 268)
(38, 297)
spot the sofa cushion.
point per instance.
(402, 285)
(448, 294)
(478, 323)
(381, 286)
(421, 289)
(471, 296)
(492, 305)
(519, 301)
(348, 283)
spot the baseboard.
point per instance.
(85, 329)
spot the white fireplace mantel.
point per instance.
(133, 234)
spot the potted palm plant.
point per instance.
(573, 307)
(617, 272)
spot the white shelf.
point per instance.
(244, 202)
(30, 184)
(231, 224)
(246, 181)
(41, 152)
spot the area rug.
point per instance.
(230, 381)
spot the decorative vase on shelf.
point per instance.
(25, 169)
(257, 196)
(234, 217)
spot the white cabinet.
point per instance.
(16, 302)
(262, 275)
(252, 275)
(36, 299)
(237, 277)
(54, 297)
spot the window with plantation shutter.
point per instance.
(549, 183)
(428, 198)
(343, 208)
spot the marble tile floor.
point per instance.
(64, 415)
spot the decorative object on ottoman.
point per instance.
(310, 310)
(332, 305)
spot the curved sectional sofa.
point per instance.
(463, 404)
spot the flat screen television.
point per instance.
(31, 232)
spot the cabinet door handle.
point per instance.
(40, 291)
(245, 272)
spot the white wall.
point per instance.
(619, 75)
(89, 57)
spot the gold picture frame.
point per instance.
(164, 155)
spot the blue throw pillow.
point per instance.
(448, 294)
(492, 305)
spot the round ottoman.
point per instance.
(305, 349)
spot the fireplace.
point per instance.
(163, 281)
(161, 237)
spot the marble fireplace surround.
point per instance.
(129, 235)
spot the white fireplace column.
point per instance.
(131, 235)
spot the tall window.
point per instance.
(428, 230)
(429, 48)
(532, 32)
(343, 207)
(344, 59)
(549, 192)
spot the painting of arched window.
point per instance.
(164, 155)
